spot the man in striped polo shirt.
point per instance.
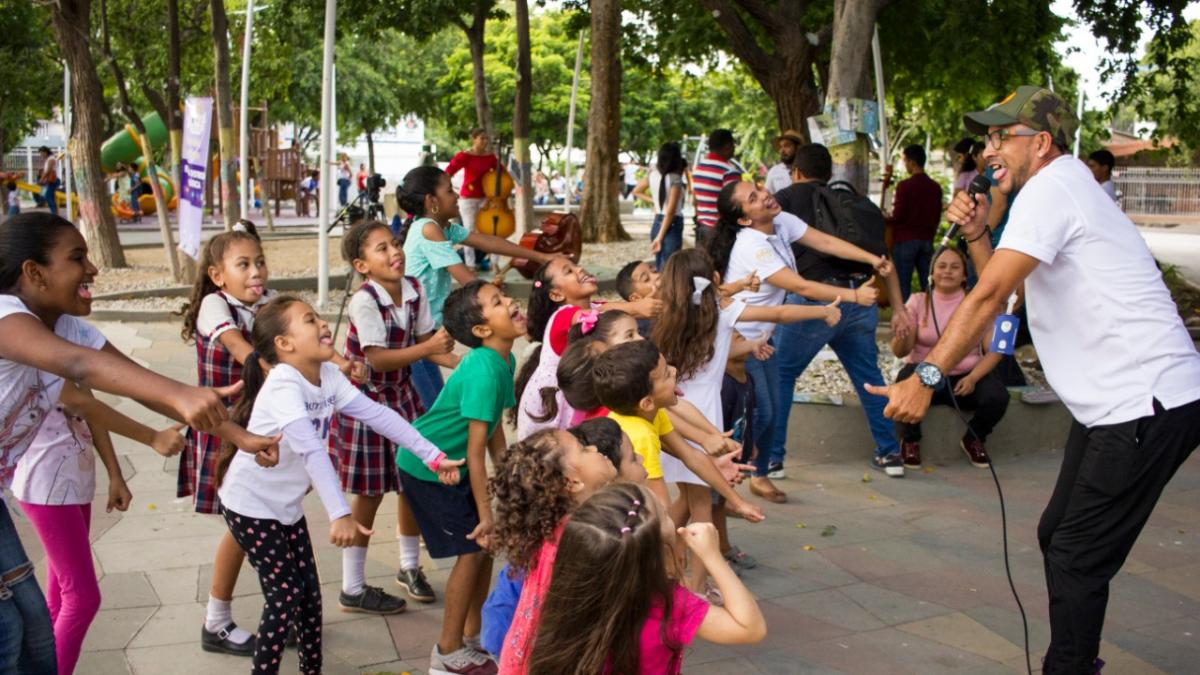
(714, 171)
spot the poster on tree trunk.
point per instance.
(197, 127)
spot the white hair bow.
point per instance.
(699, 283)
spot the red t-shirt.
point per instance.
(473, 168)
(917, 209)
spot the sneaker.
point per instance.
(219, 642)
(910, 452)
(413, 581)
(891, 465)
(371, 600)
(475, 644)
(462, 661)
(737, 558)
(974, 450)
(776, 472)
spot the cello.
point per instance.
(496, 216)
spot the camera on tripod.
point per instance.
(375, 183)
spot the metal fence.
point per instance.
(1155, 191)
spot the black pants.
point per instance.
(989, 401)
(283, 557)
(1111, 478)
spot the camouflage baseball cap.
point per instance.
(1036, 107)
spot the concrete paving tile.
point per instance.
(1007, 624)
(1137, 650)
(962, 632)
(107, 662)
(893, 651)
(959, 589)
(785, 662)
(183, 659)
(1183, 580)
(415, 634)
(892, 607)
(176, 586)
(832, 607)
(389, 668)
(247, 581)
(809, 573)
(172, 625)
(724, 666)
(1135, 602)
(114, 628)
(125, 590)
(1184, 632)
(359, 643)
(158, 524)
(159, 553)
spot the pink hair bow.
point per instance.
(587, 320)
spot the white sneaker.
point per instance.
(463, 661)
(776, 472)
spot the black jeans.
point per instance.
(1111, 478)
(989, 401)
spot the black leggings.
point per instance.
(283, 557)
(989, 401)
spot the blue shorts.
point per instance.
(446, 514)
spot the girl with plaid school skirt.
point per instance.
(391, 327)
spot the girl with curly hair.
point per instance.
(536, 485)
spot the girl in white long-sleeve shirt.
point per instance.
(263, 506)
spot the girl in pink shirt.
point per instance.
(611, 589)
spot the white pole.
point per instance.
(571, 115)
(1079, 118)
(66, 162)
(326, 186)
(244, 132)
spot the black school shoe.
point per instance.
(220, 643)
(371, 600)
(414, 582)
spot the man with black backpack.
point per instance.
(835, 209)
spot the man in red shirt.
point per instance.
(916, 212)
(713, 172)
(474, 163)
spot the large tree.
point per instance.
(601, 184)
(521, 111)
(231, 206)
(25, 96)
(72, 30)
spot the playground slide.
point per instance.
(37, 190)
(123, 148)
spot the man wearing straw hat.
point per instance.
(780, 175)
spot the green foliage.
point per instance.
(32, 82)
(1166, 96)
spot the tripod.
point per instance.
(365, 206)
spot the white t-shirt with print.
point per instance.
(364, 314)
(1105, 327)
(26, 393)
(214, 317)
(754, 251)
(60, 466)
(276, 492)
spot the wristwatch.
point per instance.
(930, 375)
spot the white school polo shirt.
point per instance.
(1106, 330)
(754, 251)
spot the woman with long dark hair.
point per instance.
(666, 188)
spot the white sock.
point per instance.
(410, 552)
(219, 615)
(354, 569)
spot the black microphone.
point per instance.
(979, 185)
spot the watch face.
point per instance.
(929, 375)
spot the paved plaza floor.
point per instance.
(885, 576)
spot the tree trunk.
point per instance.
(264, 188)
(521, 107)
(370, 152)
(72, 26)
(853, 25)
(795, 100)
(174, 109)
(599, 212)
(475, 35)
(230, 199)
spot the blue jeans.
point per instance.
(343, 191)
(765, 375)
(672, 240)
(427, 379)
(912, 255)
(49, 196)
(26, 633)
(853, 340)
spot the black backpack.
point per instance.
(840, 211)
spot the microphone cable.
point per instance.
(992, 468)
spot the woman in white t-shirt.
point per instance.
(755, 235)
(263, 506)
(665, 189)
(45, 279)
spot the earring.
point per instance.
(435, 209)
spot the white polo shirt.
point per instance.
(1106, 330)
(364, 314)
(754, 251)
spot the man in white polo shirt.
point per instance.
(1110, 339)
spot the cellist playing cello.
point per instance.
(474, 163)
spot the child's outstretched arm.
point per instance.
(501, 246)
(305, 442)
(389, 424)
(830, 313)
(695, 427)
(740, 621)
(25, 339)
(386, 360)
(167, 442)
(702, 465)
(76, 399)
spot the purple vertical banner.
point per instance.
(197, 127)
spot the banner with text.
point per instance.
(197, 127)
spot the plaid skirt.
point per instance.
(198, 471)
(365, 460)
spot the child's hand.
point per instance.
(751, 282)
(720, 444)
(343, 530)
(901, 323)
(729, 467)
(119, 495)
(357, 371)
(168, 442)
(884, 266)
(656, 246)
(203, 408)
(448, 473)
(440, 342)
(763, 350)
(646, 308)
(701, 538)
(482, 534)
(832, 314)
(264, 448)
(749, 512)
(866, 295)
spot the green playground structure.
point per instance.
(124, 148)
